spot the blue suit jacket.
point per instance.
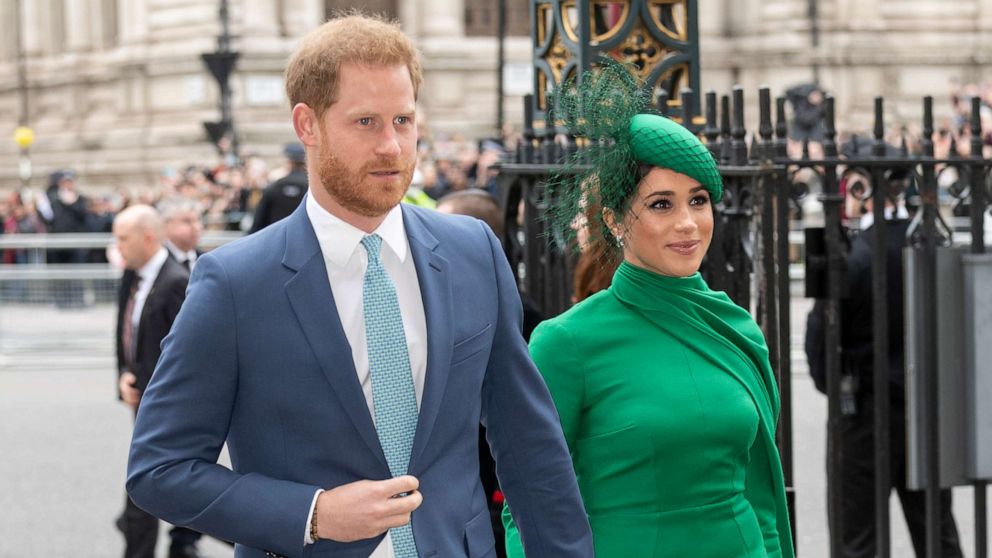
(258, 358)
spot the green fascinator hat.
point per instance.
(611, 113)
(661, 142)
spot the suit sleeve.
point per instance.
(183, 423)
(554, 354)
(532, 461)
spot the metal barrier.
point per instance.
(68, 285)
(52, 241)
(61, 316)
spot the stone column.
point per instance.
(409, 14)
(259, 18)
(52, 18)
(33, 27)
(78, 25)
(301, 16)
(442, 18)
(133, 18)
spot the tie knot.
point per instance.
(372, 244)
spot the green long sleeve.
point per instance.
(669, 407)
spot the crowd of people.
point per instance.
(229, 197)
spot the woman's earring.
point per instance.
(620, 241)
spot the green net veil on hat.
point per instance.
(612, 111)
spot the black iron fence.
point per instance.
(766, 191)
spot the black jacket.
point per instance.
(68, 218)
(279, 199)
(856, 319)
(160, 310)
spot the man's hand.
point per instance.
(130, 394)
(365, 509)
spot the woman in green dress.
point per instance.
(663, 386)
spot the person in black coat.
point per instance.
(284, 195)
(66, 211)
(856, 451)
(152, 290)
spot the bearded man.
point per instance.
(348, 353)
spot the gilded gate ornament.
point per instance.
(658, 38)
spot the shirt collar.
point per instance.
(338, 240)
(178, 254)
(154, 265)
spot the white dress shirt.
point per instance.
(346, 261)
(148, 273)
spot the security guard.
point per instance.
(284, 195)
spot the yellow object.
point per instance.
(416, 196)
(24, 136)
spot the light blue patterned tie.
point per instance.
(393, 396)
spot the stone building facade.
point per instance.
(899, 49)
(116, 88)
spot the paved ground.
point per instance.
(63, 438)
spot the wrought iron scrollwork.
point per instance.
(658, 38)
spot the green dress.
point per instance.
(668, 405)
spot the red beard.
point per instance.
(357, 190)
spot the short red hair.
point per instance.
(313, 70)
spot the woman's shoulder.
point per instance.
(584, 318)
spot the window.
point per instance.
(482, 18)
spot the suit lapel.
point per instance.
(435, 290)
(311, 299)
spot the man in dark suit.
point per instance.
(348, 353)
(152, 290)
(183, 229)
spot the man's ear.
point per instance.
(305, 124)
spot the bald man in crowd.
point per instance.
(153, 288)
